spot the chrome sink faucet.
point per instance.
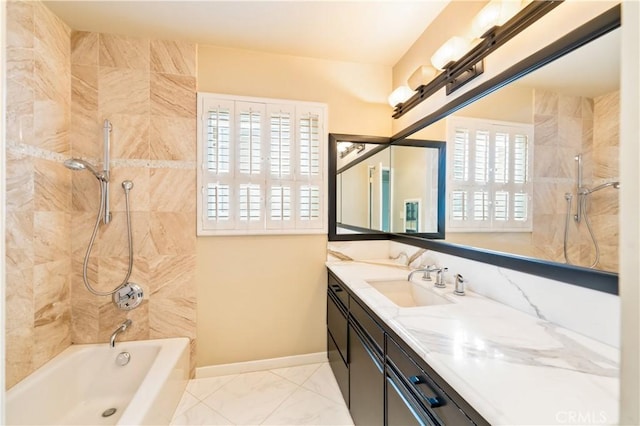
(427, 274)
(119, 330)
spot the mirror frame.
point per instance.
(603, 281)
(383, 144)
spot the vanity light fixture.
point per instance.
(494, 14)
(421, 76)
(451, 51)
(400, 95)
(346, 148)
(343, 146)
(499, 26)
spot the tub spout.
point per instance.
(119, 330)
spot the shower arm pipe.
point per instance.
(106, 216)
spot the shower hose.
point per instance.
(583, 200)
(126, 185)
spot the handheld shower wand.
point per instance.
(104, 214)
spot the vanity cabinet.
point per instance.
(382, 380)
(366, 367)
(337, 335)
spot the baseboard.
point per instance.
(260, 365)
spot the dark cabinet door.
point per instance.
(337, 325)
(402, 408)
(339, 367)
(337, 345)
(366, 381)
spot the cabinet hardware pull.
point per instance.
(336, 288)
(434, 401)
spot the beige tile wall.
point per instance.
(38, 227)
(565, 126)
(61, 85)
(147, 89)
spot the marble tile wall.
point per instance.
(565, 126)
(61, 85)
(38, 223)
(147, 89)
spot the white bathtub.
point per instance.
(78, 385)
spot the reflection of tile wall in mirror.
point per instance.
(572, 113)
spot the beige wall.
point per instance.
(38, 197)
(146, 88)
(264, 297)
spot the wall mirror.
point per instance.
(386, 187)
(534, 165)
(570, 155)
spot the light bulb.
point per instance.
(497, 12)
(421, 76)
(400, 95)
(452, 50)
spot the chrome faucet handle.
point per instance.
(440, 277)
(459, 290)
(426, 276)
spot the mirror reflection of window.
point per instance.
(489, 185)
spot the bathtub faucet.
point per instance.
(119, 330)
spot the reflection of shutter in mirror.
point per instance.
(461, 155)
(459, 205)
(481, 205)
(481, 147)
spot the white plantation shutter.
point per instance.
(262, 166)
(489, 187)
(218, 205)
(282, 161)
(250, 138)
(309, 197)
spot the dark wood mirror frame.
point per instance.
(384, 143)
(606, 282)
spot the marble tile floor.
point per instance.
(302, 395)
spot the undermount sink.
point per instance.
(407, 294)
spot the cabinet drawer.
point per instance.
(339, 368)
(402, 407)
(337, 325)
(338, 290)
(369, 325)
(426, 391)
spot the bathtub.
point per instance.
(86, 381)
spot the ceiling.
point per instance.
(366, 31)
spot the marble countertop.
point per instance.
(513, 368)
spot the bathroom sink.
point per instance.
(407, 294)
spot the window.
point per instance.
(261, 166)
(489, 187)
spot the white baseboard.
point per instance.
(260, 365)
